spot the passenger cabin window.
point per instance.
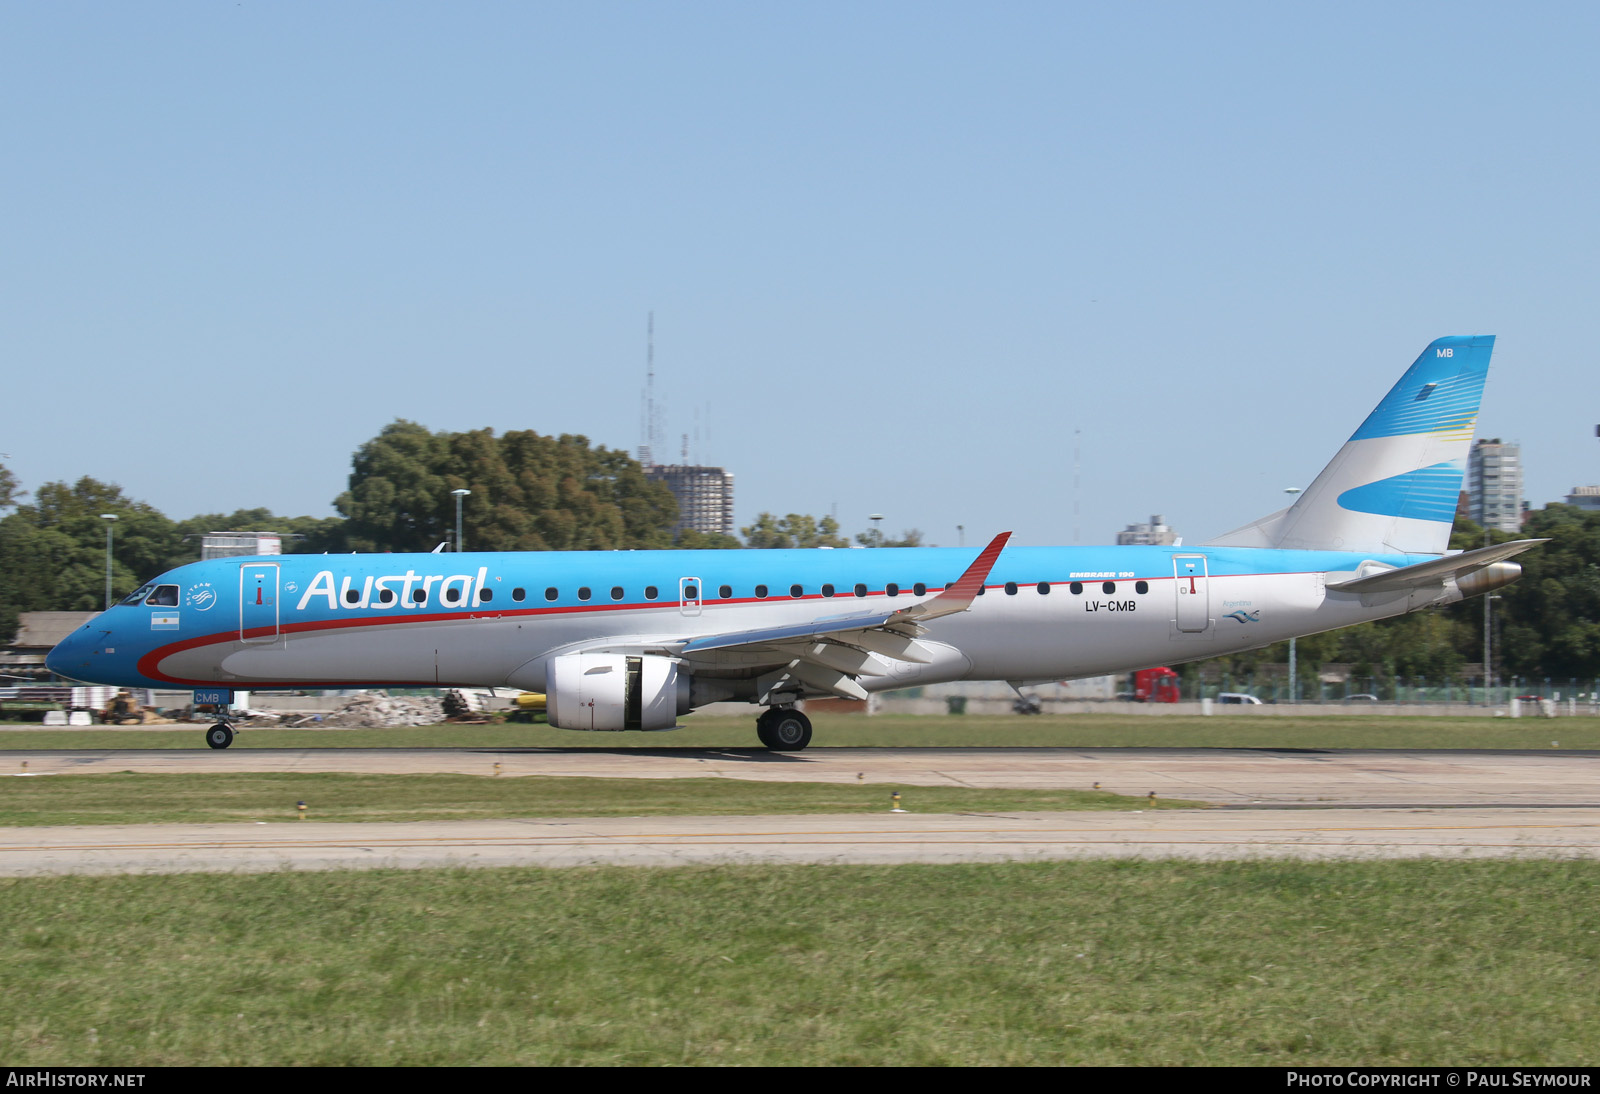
(1044, 588)
(351, 596)
(519, 595)
(450, 595)
(1108, 587)
(796, 591)
(485, 595)
(165, 596)
(691, 592)
(861, 590)
(386, 596)
(1141, 587)
(827, 590)
(1076, 588)
(584, 593)
(892, 589)
(616, 592)
(1011, 588)
(725, 592)
(761, 592)
(651, 592)
(549, 594)
(420, 596)
(920, 589)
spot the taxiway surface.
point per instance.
(877, 838)
(1285, 777)
(1301, 804)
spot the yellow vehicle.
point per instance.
(530, 706)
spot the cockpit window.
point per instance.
(138, 594)
(165, 596)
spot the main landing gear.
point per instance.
(220, 735)
(784, 729)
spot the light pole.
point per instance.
(1488, 675)
(111, 521)
(1294, 676)
(459, 495)
(961, 535)
(877, 528)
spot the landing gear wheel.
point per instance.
(220, 735)
(784, 729)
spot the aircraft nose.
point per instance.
(68, 656)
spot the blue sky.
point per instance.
(897, 253)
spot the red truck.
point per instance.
(1159, 685)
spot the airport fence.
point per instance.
(1574, 694)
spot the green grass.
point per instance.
(1383, 963)
(899, 730)
(128, 798)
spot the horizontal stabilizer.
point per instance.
(1435, 571)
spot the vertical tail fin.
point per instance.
(1392, 488)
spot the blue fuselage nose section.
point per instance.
(96, 653)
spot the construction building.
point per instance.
(22, 661)
(236, 544)
(705, 496)
(1154, 534)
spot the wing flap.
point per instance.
(831, 654)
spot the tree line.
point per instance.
(529, 492)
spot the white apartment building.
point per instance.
(1494, 484)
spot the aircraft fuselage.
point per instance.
(494, 619)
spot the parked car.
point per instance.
(1238, 697)
(1364, 697)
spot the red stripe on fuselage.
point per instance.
(147, 665)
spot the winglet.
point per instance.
(958, 596)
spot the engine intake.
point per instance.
(615, 692)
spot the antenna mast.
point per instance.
(1077, 468)
(649, 417)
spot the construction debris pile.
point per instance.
(377, 710)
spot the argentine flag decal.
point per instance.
(164, 621)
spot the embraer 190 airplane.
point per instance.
(632, 640)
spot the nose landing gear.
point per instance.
(784, 729)
(220, 735)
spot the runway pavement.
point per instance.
(1221, 776)
(1302, 804)
(864, 838)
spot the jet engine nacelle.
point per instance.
(1496, 575)
(615, 691)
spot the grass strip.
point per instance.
(905, 731)
(1153, 963)
(130, 798)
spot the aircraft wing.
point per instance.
(1433, 572)
(831, 653)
